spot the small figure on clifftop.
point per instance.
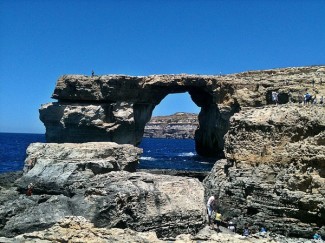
(92, 73)
(290, 97)
(307, 98)
(275, 97)
(210, 209)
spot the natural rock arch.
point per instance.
(117, 107)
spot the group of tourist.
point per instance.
(215, 219)
(307, 98)
(310, 99)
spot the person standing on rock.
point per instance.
(275, 97)
(246, 231)
(210, 209)
(218, 220)
(30, 189)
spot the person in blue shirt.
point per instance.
(317, 236)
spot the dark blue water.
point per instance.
(13, 149)
(178, 154)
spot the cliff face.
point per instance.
(274, 174)
(179, 125)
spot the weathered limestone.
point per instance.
(274, 175)
(56, 166)
(116, 107)
(78, 229)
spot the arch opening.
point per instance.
(197, 153)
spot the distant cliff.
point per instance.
(178, 125)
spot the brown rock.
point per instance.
(274, 172)
(56, 166)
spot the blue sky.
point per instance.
(41, 40)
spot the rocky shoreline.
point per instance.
(250, 188)
(272, 175)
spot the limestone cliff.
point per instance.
(178, 125)
(274, 175)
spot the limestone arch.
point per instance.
(115, 108)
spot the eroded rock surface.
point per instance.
(274, 172)
(78, 229)
(168, 205)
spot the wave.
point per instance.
(188, 154)
(205, 162)
(148, 158)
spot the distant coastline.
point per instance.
(180, 125)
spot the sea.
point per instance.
(158, 153)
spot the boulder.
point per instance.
(273, 174)
(168, 205)
(56, 166)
